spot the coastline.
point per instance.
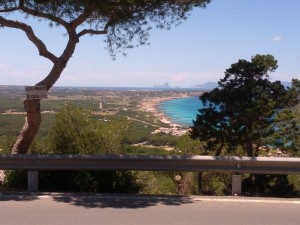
(152, 105)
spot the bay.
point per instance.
(182, 110)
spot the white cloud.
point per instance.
(20, 75)
(277, 38)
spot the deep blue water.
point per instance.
(182, 110)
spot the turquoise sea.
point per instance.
(182, 110)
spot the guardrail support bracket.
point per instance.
(33, 181)
(236, 184)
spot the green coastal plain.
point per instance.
(102, 102)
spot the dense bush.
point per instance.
(137, 132)
(269, 186)
(162, 140)
(79, 181)
(77, 132)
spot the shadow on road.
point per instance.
(120, 201)
(18, 197)
(101, 200)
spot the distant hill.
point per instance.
(212, 85)
(164, 85)
(207, 86)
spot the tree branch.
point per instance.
(42, 15)
(31, 36)
(82, 17)
(9, 10)
(92, 32)
(97, 32)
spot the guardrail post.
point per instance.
(33, 181)
(236, 188)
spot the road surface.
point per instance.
(89, 209)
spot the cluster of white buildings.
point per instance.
(173, 130)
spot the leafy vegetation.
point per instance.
(162, 139)
(243, 110)
(248, 111)
(91, 122)
(77, 132)
(138, 132)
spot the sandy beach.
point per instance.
(151, 104)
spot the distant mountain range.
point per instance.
(212, 85)
(164, 85)
(207, 86)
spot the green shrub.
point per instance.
(77, 181)
(77, 132)
(89, 181)
(162, 140)
(15, 180)
(137, 132)
(265, 185)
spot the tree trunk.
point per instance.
(33, 110)
(30, 128)
(249, 146)
(220, 148)
(256, 153)
(249, 140)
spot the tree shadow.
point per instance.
(120, 201)
(90, 200)
(16, 196)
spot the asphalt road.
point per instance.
(88, 209)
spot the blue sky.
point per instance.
(197, 51)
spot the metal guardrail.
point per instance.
(231, 164)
